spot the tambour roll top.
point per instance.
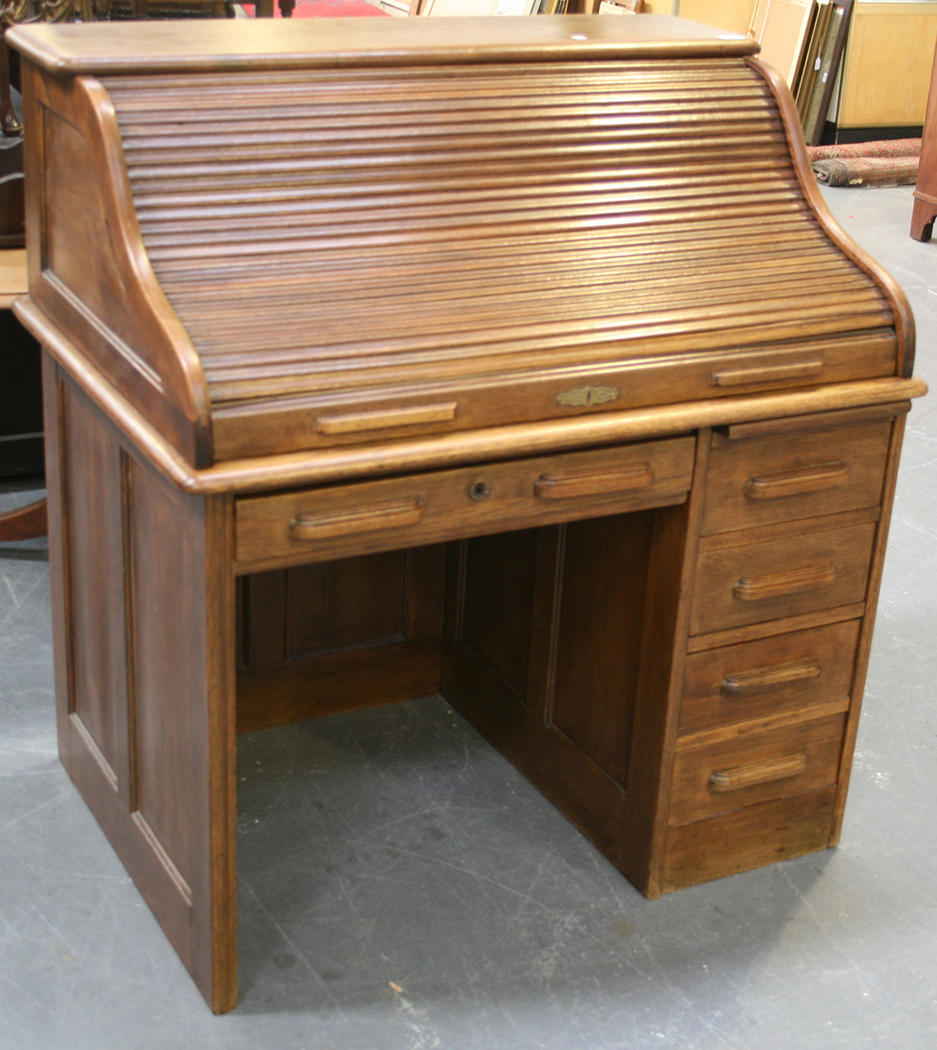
(334, 232)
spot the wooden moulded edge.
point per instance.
(903, 318)
(263, 44)
(294, 469)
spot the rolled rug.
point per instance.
(886, 148)
(867, 171)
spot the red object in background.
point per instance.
(330, 9)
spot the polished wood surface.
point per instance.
(241, 46)
(578, 443)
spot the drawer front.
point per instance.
(786, 577)
(771, 676)
(317, 524)
(784, 477)
(748, 838)
(745, 770)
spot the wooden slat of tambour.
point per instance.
(478, 287)
(250, 87)
(589, 297)
(563, 309)
(205, 184)
(444, 111)
(469, 202)
(298, 269)
(411, 376)
(164, 257)
(219, 140)
(449, 333)
(437, 221)
(570, 156)
(337, 139)
(326, 175)
(567, 299)
(240, 194)
(422, 224)
(772, 228)
(610, 280)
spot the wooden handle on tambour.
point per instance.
(386, 418)
(313, 525)
(593, 482)
(797, 482)
(767, 373)
(741, 683)
(761, 772)
(791, 581)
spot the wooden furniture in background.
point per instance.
(887, 65)
(20, 401)
(520, 360)
(925, 192)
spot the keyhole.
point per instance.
(479, 491)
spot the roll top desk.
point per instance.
(514, 359)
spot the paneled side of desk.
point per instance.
(145, 718)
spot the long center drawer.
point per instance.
(340, 521)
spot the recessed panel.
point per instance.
(497, 610)
(95, 589)
(601, 615)
(352, 602)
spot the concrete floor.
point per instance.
(402, 887)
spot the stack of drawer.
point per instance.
(788, 530)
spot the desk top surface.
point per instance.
(240, 44)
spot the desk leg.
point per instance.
(922, 218)
(144, 630)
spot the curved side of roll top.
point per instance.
(903, 317)
(110, 299)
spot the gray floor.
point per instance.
(402, 887)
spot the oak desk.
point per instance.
(513, 358)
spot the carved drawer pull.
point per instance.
(354, 422)
(391, 515)
(797, 482)
(767, 373)
(741, 683)
(761, 772)
(791, 581)
(593, 483)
